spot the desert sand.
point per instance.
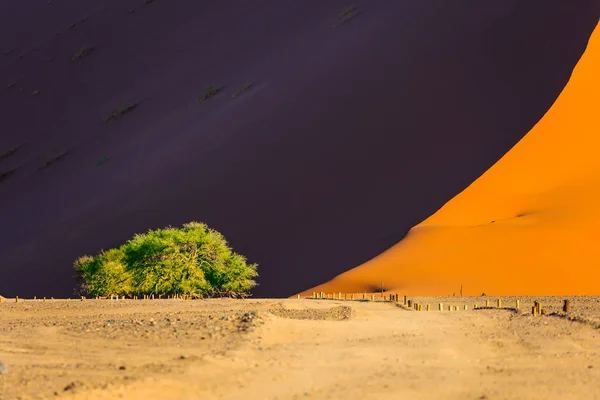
(528, 225)
(349, 136)
(298, 349)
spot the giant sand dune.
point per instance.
(527, 225)
(349, 135)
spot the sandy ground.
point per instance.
(297, 349)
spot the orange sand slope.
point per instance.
(529, 225)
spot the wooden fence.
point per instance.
(402, 301)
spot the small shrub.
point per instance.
(54, 159)
(103, 159)
(246, 87)
(193, 260)
(9, 153)
(483, 294)
(82, 53)
(208, 93)
(346, 14)
(120, 112)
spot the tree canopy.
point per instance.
(194, 260)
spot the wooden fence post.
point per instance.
(518, 304)
(405, 300)
(487, 303)
(441, 306)
(566, 306)
(409, 303)
(428, 307)
(499, 303)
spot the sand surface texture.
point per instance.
(298, 349)
(528, 225)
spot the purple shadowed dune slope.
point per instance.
(348, 137)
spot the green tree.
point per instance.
(194, 260)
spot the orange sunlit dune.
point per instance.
(529, 225)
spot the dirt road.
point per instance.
(293, 349)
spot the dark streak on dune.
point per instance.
(357, 134)
(5, 174)
(9, 152)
